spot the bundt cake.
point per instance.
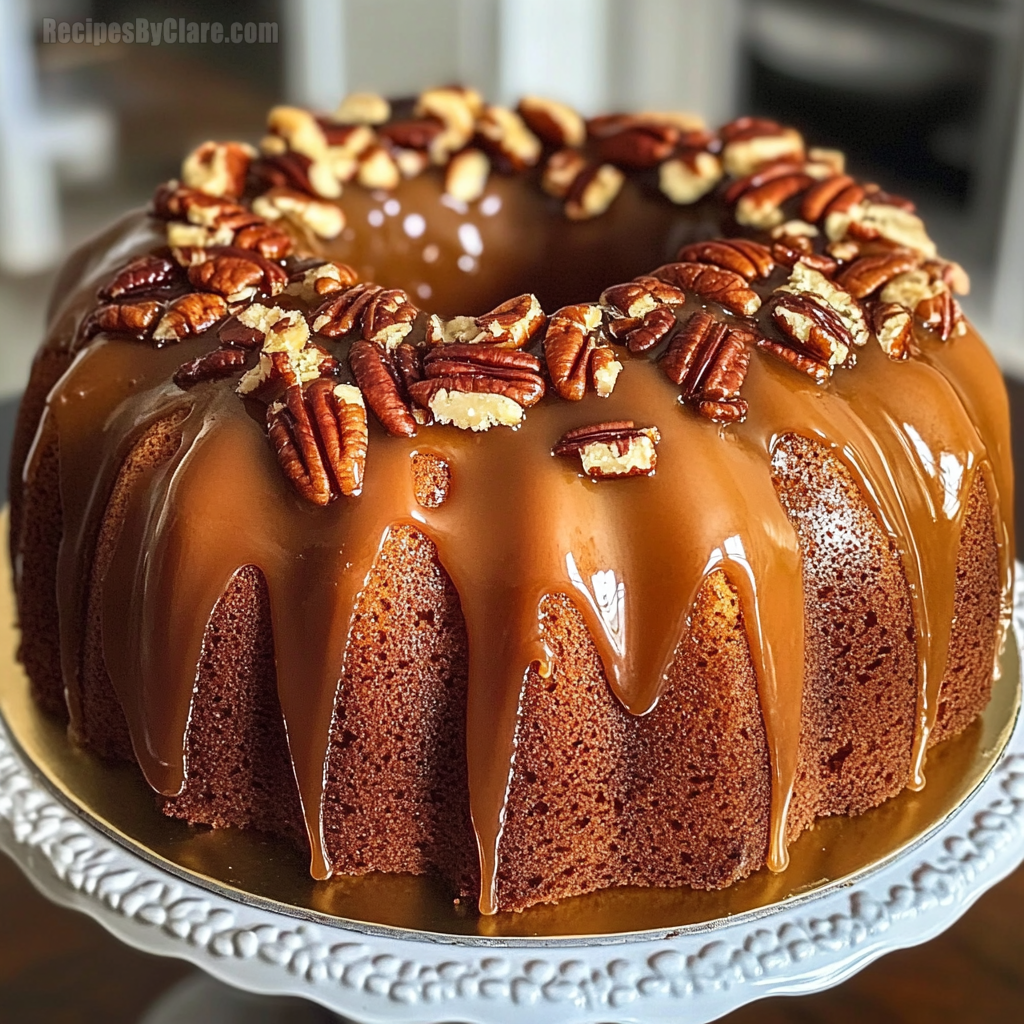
(545, 503)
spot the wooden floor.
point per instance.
(59, 967)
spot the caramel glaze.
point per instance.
(519, 523)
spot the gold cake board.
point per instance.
(262, 871)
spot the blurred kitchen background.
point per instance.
(924, 96)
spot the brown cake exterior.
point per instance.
(743, 558)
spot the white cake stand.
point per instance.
(375, 974)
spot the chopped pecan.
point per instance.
(320, 438)
(505, 135)
(690, 175)
(555, 123)
(604, 370)
(638, 147)
(870, 273)
(942, 313)
(812, 328)
(324, 220)
(287, 365)
(142, 274)
(320, 280)
(466, 175)
(375, 380)
(617, 448)
(387, 318)
(893, 325)
(709, 360)
(510, 325)
(191, 314)
(218, 168)
(377, 169)
(712, 284)
(221, 362)
(563, 168)
(363, 108)
(237, 274)
(690, 126)
(593, 191)
(571, 337)
(805, 280)
(750, 260)
(457, 109)
(133, 318)
(280, 330)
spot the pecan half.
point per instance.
(643, 333)
(320, 437)
(749, 259)
(519, 369)
(819, 197)
(470, 401)
(382, 315)
(554, 122)
(638, 147)
(751, 142)
(638, 297)
(221, 362)
(713, 285)
(133, 318)
(571, 337)
(709, 360)
(191, 314)
(762, 207)
(380, 390)
(237, 274)
(869, 273)
(142, 274)
(612, 450)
